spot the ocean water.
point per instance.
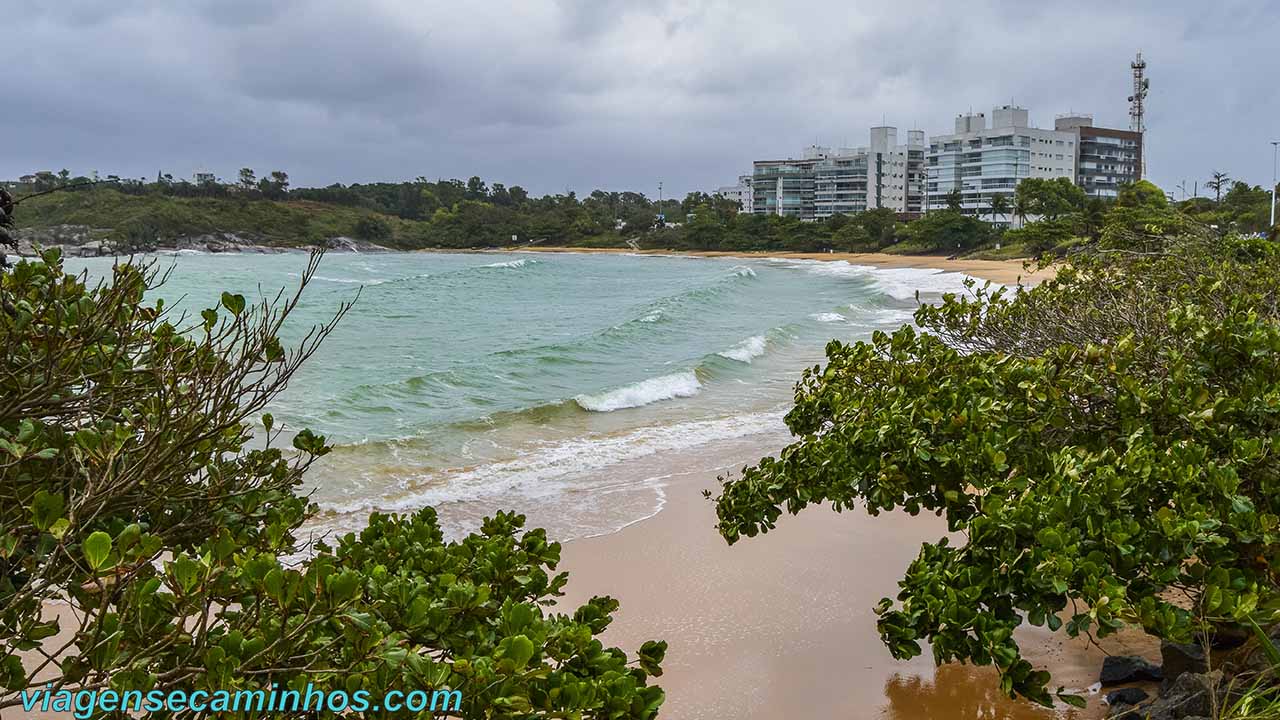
(570, 387)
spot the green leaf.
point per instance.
(520, 650)
(46, 509)
(59, 528)
(651, 655)
(96, 549)
(1264, 641)
(233, 303)
(1072, 700)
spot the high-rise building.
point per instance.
(980, 161)
(826, 181)
(783, 187)
(1105, 158)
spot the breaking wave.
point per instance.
(645, 392)
(512, 264)
(745, 351)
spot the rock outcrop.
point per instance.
(84, 241)
(1118, 669)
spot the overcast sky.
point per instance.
(580, 94)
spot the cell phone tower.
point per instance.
(1137, 106)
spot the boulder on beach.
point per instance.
(1118, 669)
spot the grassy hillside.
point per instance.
(280, 223)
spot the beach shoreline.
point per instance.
(782, 625)
(1006, 272)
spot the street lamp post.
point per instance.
(1275, 144)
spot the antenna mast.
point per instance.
(1137, 106)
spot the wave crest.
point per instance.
(645, 392)
(829, 317)
(512, 264)
(745, 351)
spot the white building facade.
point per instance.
(740, 193)
(981, 160)
(826, 181)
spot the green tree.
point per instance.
(248, 180)
(1021, 208)
(999, 206)
(1216, 183)
(1043, 236)
(1099, 445)
(880, 223)
(853, 237)
(1142, 193)
(1050, 198)
(133, 487)
(947, 231)
(279, 183)
(955, 201)
(373, 229)
(476, 189)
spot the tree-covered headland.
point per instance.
(1048, 215)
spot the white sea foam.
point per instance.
(349, 281)
(831, 268)
(752, 347)
(902, 283)
(652, 317)
(645, 392)
(512, 264)
(743, 271)
(898, 283)
(829, 317)
(553, 469)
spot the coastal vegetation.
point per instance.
(1041, 216)
(151, 533)
(1103, 447)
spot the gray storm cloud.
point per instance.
(619, 95)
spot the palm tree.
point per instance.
(1216, 183)
(1021, 208)
(999, 206)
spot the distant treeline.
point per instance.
(473, 214)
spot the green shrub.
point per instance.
(129, 488)
(1107, 446)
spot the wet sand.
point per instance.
(1008, 272)
(781, 625)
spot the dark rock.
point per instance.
(1117, 669)
(1128, 712)
(1126, 696)
(1191, 695)
(342, 243)
(1179, 658)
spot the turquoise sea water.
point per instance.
(571, 387)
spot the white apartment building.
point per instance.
(981, 161)
(740, 193)
(826, 181)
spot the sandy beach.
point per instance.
(1007, 272)
(781, 626)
